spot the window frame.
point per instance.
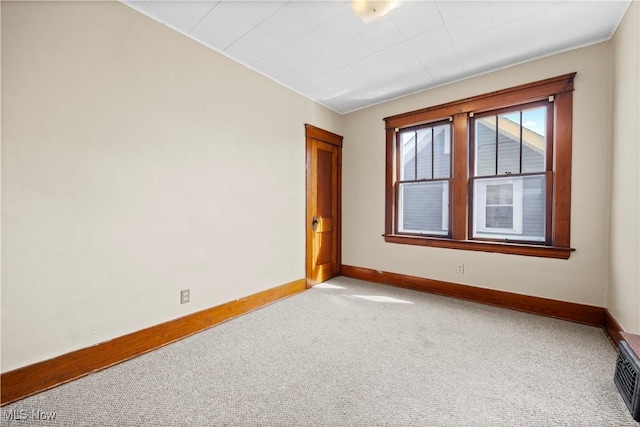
(559, 90)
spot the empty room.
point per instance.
(320, 213)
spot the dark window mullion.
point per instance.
(496, 169)
(433, 153)
(521, 142)
(451, 153)
(511, 175)
(415, 172)
(417, 181)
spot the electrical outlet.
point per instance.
(184, 296)
(460, 268)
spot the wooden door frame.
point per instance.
(315, 133)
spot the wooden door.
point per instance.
(323, 229)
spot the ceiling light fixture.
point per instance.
(368, 10)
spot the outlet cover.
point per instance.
(185, 296)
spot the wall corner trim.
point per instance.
(32, 379)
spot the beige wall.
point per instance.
(580, 279)
(135, 163)
(623, 296)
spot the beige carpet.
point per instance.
(351, 353)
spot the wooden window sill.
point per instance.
(473, 245)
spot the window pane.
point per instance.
(499, 194)
(521, 142)
(442, 151)
(509, 143)
(511, 208)
(485, 146)
(408, 150)
(534, 209)
(424, 208)
(534, 129)
(424, 154)
(499, 217)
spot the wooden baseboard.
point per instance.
(581, 313)
(612, 328)
(32, 379)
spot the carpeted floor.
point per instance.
(352, 353)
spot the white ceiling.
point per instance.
(323, 51)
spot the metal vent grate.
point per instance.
(626, 378)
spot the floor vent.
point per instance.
(627, 378)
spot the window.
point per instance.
(498, 208)
(509, 151)
(423, 187)
(488, 173)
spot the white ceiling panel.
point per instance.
(278, 62)
(306, 47)
(281, 28)
(324, 51)
(180, 14)
(309, 14)
(341, 56)
(515, 51)
(330, 91)
(570, 11)
(382, 61)
(452, 10)
(571, 37)
(514, 48)
(444, 55)
(379, 85)
(430, 41)
(297, 77)
(391, 79)
(610, 13)
(252, 47)
(601, 28)
(527, 26)
(332, 34)
(230, 20)
(415, 17)
(483, 43)
(340, 79)
(382, 37)
(141, 5)
(470, 24)
(510, 11)
(447, 71)
(479, 62)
